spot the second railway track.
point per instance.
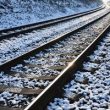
(7, 33)
(16, 46)
(25, 77)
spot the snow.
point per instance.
(58, 48)
(55, 54)
(7, 50)
(33, 70)
(17, 12)
(15, 46)
(14, 100)
(90, 66)
(95, 94)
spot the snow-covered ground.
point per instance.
(18, 12)
(15, 46)
(90, 85)
(66, 46)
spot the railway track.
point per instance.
(87, 80)
(7, 33)
(24, 78)
(11, 48)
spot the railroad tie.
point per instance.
(10, 108)
(24, 91)
(58, 68)
(29, 76)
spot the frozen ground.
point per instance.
(18, 12)
(91, 85)
(13, 47)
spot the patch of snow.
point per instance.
(17, 12)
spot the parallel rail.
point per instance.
(40, 99)
(54, 88)
(19, 59)
(7, 33)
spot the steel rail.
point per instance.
(19, 59)
(54, 88)
(7, 33)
